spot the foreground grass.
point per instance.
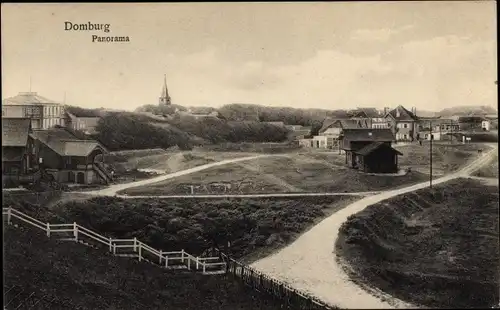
(92, 279)
(435, 247)
(250, 225)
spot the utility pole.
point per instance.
(451, 129)
(430, 155)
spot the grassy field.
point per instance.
(305, 172)
(446, 158)
(292, 172)
(435, 247)
(93, 279)
(227, 179)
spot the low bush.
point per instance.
(435, 247)
(175, 224)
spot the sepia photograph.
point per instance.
(250, 155)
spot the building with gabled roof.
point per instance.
(377, 157)
(403, 123)
(354, 140)
(44, 113)
(330, 123)
(371, 117)
(70, 159)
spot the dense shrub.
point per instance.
(127, 131)
(194, 226)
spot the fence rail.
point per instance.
(259, 281)
(135, 245)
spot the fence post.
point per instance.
(189, 263)
(8, 215)
(160, 255)
(110, 245)
(48, 230)
(166, 261)
(114, 248)
(204, 267)
(135, 244)
(182, 255)
(75, 231)
(140, 248)
(197, 262)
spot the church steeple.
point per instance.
(164, 98)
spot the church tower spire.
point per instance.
(164, 98)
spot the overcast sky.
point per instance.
(431, 55)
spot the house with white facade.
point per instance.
(403, 123)
(44, 113)
(486, 125)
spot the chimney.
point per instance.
(386, 110)
(415, 111)
(397, 112)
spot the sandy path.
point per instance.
(309, 263)
(113, 189)
(361, 194)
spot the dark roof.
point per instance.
(470, 119)
(15, 131)
(12, 154)
(65, 144)
(374, 146)
(28, 98)
(327, 123)
(352, 124)
(368, 134)
(367, 112)
(341, 123)
(404, 114)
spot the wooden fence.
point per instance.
(74, 232)
(292, 298)
(288, 296)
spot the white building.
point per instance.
(44, 113)
(486, 125)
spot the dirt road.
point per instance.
(309, 263)
(251, 195)
(113, 189)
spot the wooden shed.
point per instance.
(377, 157)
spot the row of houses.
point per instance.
(404, 124)
(28, 153)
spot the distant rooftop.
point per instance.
(28, 98)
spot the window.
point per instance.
(405, 137)
(405, 125)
